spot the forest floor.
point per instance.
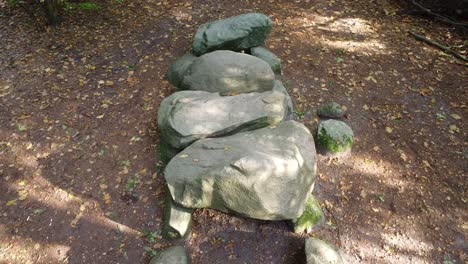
(80, 181)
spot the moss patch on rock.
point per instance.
(312, 216)
(334, 137)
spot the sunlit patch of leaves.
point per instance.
(87, 6)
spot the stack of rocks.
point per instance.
(228, 136)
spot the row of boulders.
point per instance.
(228, 133)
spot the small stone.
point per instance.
(269, 57)
(172, 255)
(321, 252)
(310, 218)
(177, 220)
(334, 138)
(330, 110)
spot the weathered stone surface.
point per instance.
(278, 86)
(330, 110)
(187, 116)
(311, 217)
(321, 252)
(177, 220)
(179, 68)
(334, 138)
(264, 174)
(269, 57)
(172, 255)
(227, 72)
(234, 33)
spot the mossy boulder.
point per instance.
(310, 218)
(330, 110)
(334, 138)
(235, 33)
(269, 57)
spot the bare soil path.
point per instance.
(79, 176)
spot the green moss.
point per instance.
(332, 145)
(166, 153)
(312, 216)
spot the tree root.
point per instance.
(439, 46)
(437, 16)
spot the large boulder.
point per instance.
(269, 57)
(187, 116)
(229, 72)
(179, 68)
(321, 252)
(264, 174)
(234, 33)
(172, 255)
(334, 138)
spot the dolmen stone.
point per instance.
(177, 220)
(269, 57)
(334, 138)
(330, 110)
(310, 218)
(263, 174)
(187, 116)
(172, 255)
(321, 252)
(227, 72)
(235, 33)
(179, 68)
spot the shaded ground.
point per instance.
(80, 181)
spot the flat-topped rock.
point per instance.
(263, 174)
(227, 72)
(187, 116)
(235, 33)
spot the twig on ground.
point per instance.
(439, 46)
(439, 17)
(336, 223)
